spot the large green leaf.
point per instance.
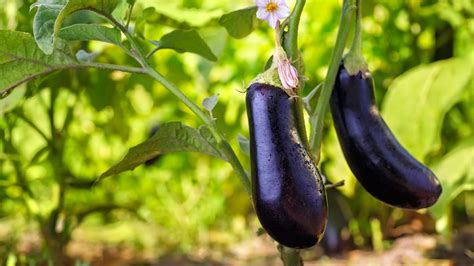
(240, 23)
(43, 23)
(418, 100)
(171, 137)
(456, 175)
(51, 14)
(186, 41)
(21, 60)
(88, 32)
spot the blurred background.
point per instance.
(188, 208)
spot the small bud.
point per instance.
(288, 75)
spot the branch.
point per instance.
(317, 117)
(128, 69)
(292, 48)
(224, 146)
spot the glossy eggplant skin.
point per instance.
(381, 165)
(287, 189)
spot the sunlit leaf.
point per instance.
(88, 32)
(456, 175)
(21, 60)
(418, 100)
(170, 137)
(240, 23)
(186, 41)
(51, 14)
(43, 23)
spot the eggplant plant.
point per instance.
(284, 183)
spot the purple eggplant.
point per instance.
(287, 188)
(381, 165)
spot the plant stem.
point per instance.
(223, 145)
(11, 87)
(292, 48)
(128, 69)
(357, 41)
(317, 117)
(354, 61)
(290, 256)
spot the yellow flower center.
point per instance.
(271, 7)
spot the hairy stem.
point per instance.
(318, 115)
(128, 69)
(223, 145)
(354, 61)
(292, 48)
(357, 41)
(10, 88)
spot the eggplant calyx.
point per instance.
(355, 63)
(269, 76)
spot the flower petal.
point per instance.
(272, 20)
(283, 11)
(261, 3)
(262, 13)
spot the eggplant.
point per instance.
(379, 162)
(287, 189)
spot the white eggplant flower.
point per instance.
(272, 11)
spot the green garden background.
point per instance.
(190, 208)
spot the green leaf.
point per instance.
(12, 100)
(418, 100)
(240, 23)
(186, 41)
(51, 14)
(456, 175)
(21, 60)
(170, 137)
(89, 32)
(43, 23)
(103, 7)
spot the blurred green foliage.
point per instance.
(190, 200)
